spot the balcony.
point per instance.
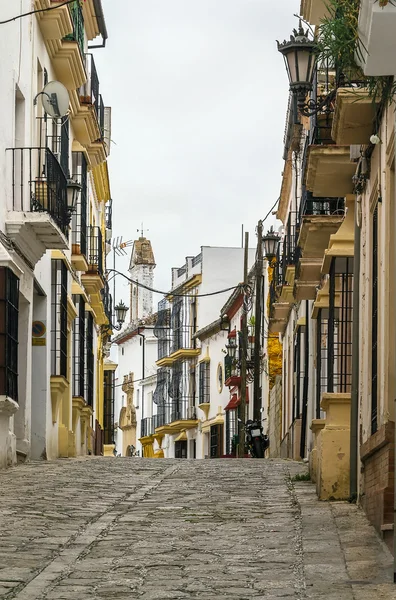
(279, 311)
(329, 170)
(92, 279)
(162, 332)
(146, 427)
(88, 110)
(67, 52)
(54, 24)
(376, 31)
(354, 116)
(182, 415)
(313, 11)
(37, 218)
(320, 218)
(107, 301)
(284, 270)
(232, 374)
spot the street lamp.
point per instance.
(73, 191)
(299, 54)
(271, 243)
(231, 346)
(120, 312)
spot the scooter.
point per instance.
(256, 441)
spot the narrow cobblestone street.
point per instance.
(158, 529)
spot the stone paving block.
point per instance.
(157, 529)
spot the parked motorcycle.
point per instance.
(256, 441)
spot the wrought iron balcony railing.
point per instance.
(162, 329)
(107, 301)
(182, 338)
(77, 34)
(95, 250)
(312, 206)
(182, 411)
(39, 184)
(146, 427)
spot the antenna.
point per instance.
(142, 230)
(55, 99)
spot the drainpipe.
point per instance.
(143, 337)
(353, 485)
(102, 24)
(305, 384)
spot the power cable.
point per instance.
(270, 210)
(38, 10)
(150, 289)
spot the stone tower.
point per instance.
(141, 269)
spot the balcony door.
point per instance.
(216, 441)
(181, 449)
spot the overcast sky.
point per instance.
(198, 93)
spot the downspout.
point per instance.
(101, 22)
(143, 337)
(305, 386)
(353, 485)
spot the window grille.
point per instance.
(321, 358)
(339, 363)
(162, 329)
(108, 417)
(9, 308)
(297, 376)
(89, 360)
(181, 392)
(231, 431)
(79, 218)
(374, 326)
(79, 348)
(183, 322)
(59, 318)
(204, 382)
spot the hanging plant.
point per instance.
(338, 44)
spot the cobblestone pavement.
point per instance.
(156, 529)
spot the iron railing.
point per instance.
(107, 300)
(182, 392)
(313, 206)
(101, 115)
(146, 427)
(162, 329)
(79, 217)
(339, 364)
(204, 383)
(89, 360)
(79, 347)
(109, 215)
(39, 184)
(9, 310)
(95, 250)
(108, 402)
(183, 323)
(77, 34)
(196, 260)
(59, 337)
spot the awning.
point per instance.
(236, 400)
(182, 437)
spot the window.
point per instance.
(137, 398)
(59, 318)
(79, 348)
(9, 304)
(231, 441)
(89, 361)
(339, 353)
(79, 219)
(204, 382)
(108, 407)
(374, 326)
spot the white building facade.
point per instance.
(52, 260)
